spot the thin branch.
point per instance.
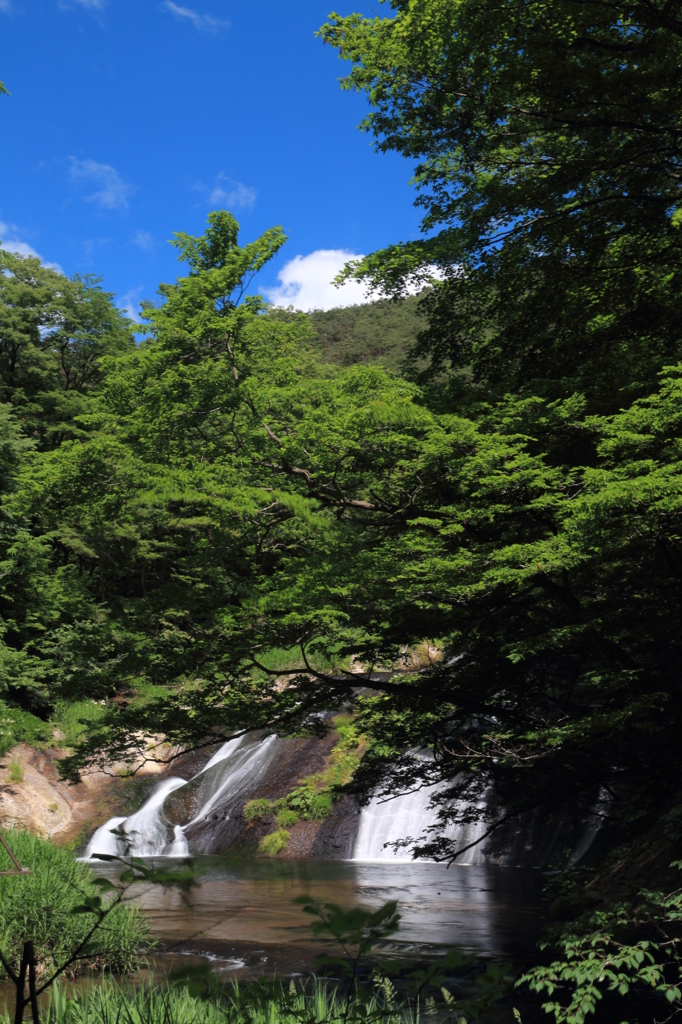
(271, 434)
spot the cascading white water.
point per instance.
(599, 812)
(146, 831)
(409, 815)
(231, 770)
(234, 773)
(242, 765)
(227, 748)
(104, 841)
(179, 847)
(230, 776)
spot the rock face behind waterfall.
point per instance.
(225, 830)
(526, 842)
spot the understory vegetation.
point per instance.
(231, 522)
(316, 1003)
(40, 907)
(352, 984)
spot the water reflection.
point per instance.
(482, 909)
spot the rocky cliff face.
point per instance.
(281, 765)
(32, 796)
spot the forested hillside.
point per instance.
(382, 332)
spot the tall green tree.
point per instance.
(547, 141)
(201, 527)
(148, 518)
(546, 137)
(54, 334)
(240, 514)
(242, 526)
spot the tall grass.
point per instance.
(38, 907)
(109, 1003)
(315, 1003)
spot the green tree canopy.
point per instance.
(243, 516)
(54, 334)
(547, 141)
(242, 527)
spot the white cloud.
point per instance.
(144, 240)
(112, 191)
(12, 244)
(228, 193)
(306, 282)
(130, 304)
(5, 6)
(89, 5)
(201, 22)
(238, 195)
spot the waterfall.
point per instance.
(179, 846)
(104, 841)
(146, 830)
(384, 820)
(221, 754)
(241, 766)
(158, 828)
(592, 827)
(204, 814)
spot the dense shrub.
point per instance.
(286, 818)
(273, 844)
(308, 803)
(254, 810)
(17, 726)
(39, 906)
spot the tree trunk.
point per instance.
(21, 986)
(32, 983)
(28, 963)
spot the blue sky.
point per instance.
(131, 119)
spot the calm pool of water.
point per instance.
(243, 911)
